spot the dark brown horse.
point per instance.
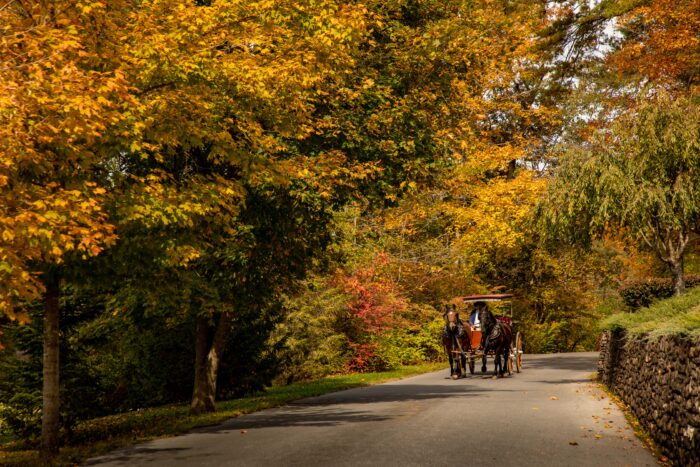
(496, 336)
(456, 338)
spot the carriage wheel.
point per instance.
(509, 363)
(518, 352)
(471, 365)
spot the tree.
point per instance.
(110, 104)
(603, 55)
(225, 90)
(60, 100)
(455, 116)
(286, 232)
(641, 179)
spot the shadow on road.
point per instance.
(584, 362)
(289, 417)
(128, 456)
(319, 411)
(405, 392)
(379, 408)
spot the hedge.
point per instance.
(642, 293)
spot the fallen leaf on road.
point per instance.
(535, 408)
(244, 431)
(573, 443)
(553, 398)
(598, 436)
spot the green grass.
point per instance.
(674, 316)
(98, 436)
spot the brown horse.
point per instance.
(497, 336)
(456, 338)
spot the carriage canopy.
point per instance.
(506, 315)
(487, 298)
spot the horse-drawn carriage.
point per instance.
(485, 335)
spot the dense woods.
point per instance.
(201, 198)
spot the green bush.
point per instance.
(320, 336)
(410, 345)
(312, 335)
(251, 361)
(112, 364)
(541, 338)
(20, 379)
(22, 415)
(642, 293)
(573, 335)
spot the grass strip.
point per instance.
(674, 316)
(98, 436)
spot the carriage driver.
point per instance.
(474, 315)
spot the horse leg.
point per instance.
(454, 346)
(499, 364)
(506, 357)
(462, 357)
(483, 359)
(449, 355)
(496, 361)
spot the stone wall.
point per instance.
(660, 381)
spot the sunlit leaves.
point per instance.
(114, 92)
(241, 75)
(61, 101)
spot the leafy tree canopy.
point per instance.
(640, 179)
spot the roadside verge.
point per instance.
(95, 437)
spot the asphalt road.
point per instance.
(548, 415)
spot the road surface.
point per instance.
(548, 415)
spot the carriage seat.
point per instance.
(505, 320)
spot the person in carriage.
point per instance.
(474, 316)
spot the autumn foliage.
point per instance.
(298, 186)
(661, 42)
(375, 306)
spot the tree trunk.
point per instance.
(512, 165)
(199, 400)
(677, 274)
(50, 395)
(207, 359)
